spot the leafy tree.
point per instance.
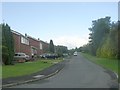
(86, 48)
(60, 50)
(0, 43)
(5, 55)
(71, 51)
(79, 49)
(51, 47)
(7, 45)
(119, 39)
(99, 30)
(109, 47)
(104, 39)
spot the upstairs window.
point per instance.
(24, 40)
(41, 46)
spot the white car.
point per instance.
(75, 54)
(21, 56)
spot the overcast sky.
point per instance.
(65, 23)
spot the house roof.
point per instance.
(16, 32)
(27, 37)
(44, 42)
(32, 38)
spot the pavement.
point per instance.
(48, 72)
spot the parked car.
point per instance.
(75, 54)
(49, 56)
(21, 56)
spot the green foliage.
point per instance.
(0, 34)
(46, 49)
(118, 41)
(104, 38)
(60, 50)
(71, 51)
(99, 29)
(7, 45)
(79, 49)
(109, 48)
(85, 48)
(51, 47)
(5, 54)
(0, 43)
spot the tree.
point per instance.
(51, 47)
(118, 39)
(85, 48)
(109, 47)
(104, 39)
(7, 45)
(79, 49)
(0, 42)
(60, 50)
(71, 51)
(99, 30)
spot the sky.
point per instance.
(66, 23)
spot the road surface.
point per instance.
(77, 73)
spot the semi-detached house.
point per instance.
(29, 45)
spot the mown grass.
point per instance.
(0, 71)
(20, 69)
(111, 64)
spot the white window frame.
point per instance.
(24, 40)
(41, 46)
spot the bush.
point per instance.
(5, 54)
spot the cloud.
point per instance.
(71, 41)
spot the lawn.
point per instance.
(111, 64)
(20, 69)
(0, 71)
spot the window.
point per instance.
(40, 45)
(24, 40)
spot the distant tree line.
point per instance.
(71, 51)
(59, 50)
(104, 39)
(7, 45)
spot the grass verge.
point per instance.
(111, 64)
(0, 71)
(20, 69)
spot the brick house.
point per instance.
(29, 45)
(45, 46)
(34, 46)
(21, 43)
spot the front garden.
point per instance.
(20, 69)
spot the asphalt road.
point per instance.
(77, 73)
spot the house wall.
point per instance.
(25, 49)
(35, 44)
(40, 46)
(45, 47)
(20, 47)
(17, 43)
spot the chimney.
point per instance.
(25, 35)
